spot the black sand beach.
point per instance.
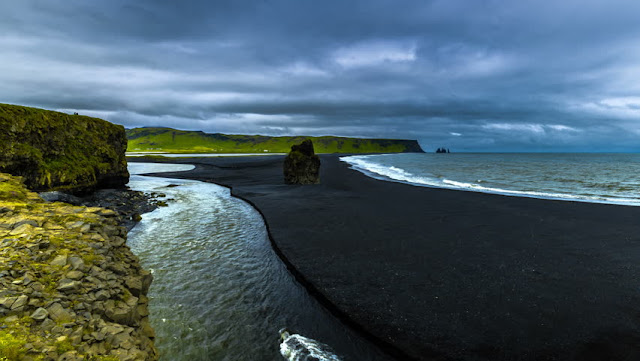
(452, 275)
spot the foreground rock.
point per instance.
(70, 288)
(58, 151)
(302, 165)
(129, 204)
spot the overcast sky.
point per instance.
(473, 75)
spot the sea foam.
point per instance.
(367, 165)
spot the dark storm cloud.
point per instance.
(470, 75)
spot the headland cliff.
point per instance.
(70, 288)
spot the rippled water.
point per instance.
(219, 290)
(601, 178)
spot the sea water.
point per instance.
(599, 178)
(219, 291)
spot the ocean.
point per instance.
(612, 178)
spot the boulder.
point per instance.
(20, 302)
(58, 313)
(302, 165)
(60, 260)
(40, 314)
(61, 152)
(56, 196)
(125, 313)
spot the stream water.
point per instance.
(219, 291)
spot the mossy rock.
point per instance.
(12, 190)
(302, 165)
(58, 151)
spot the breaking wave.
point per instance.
(369, 165)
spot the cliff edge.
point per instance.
(58, 151)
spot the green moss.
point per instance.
(90, 258)
(13, 338)
(11, 346)
(54, 150)
(13, 192)
(63, 346)
(179, 141)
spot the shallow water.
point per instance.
(220, 292)
(585, 177)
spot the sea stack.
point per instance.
(302, 165)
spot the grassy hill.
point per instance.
(180, 141)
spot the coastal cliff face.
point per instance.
(70, 288)
(58, 151)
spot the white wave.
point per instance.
(394, 173)
(299, 348)
(479, 188)
(380, 171)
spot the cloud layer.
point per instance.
(468, 75)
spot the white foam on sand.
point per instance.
(391, 173)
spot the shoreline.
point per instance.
(383, 274)
(506, 193)
(383, 345)
(542, 194)
(386, 347)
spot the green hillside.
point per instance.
(180, 141)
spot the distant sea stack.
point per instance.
(302, 165)
(181, 141)
(58, 151)
(442, 150)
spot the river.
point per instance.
(219, 291)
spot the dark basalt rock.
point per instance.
(302, 165)
(56, 196)
(129, 204)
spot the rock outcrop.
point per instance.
(129, 204)
(302, 165)
(70, 288)
(58, 151)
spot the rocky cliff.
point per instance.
(58, 151)
(70, 288)
(302, 165)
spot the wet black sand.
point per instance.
(441, 274)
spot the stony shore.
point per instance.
(70, 288)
